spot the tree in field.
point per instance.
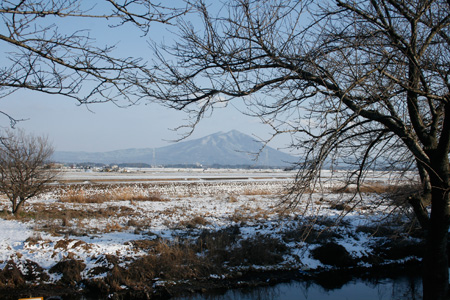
(356, 82)
(47, 47)
(24, 168)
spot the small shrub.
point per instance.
(399, 196)
(11, 276)
(65, 220)
(5, 214)
(341, 206)
(114, 226)
(240, 215)
(194, 222)
(310, 234)
(378, 231)
(34, 272)
(144, 244)
(374, 188)
(399, 249)
(165, 260)
(333, 254)
(63, 244)
(259, 250)
(218, 243)
(70, 269)
(232, 199)
(34, 239)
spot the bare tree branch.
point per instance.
(363, 84)
(42, 55)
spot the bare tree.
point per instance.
(24, 167)
(42, 55)
(359, 82)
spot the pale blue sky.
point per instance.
(104, 127)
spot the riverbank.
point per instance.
(328, 279)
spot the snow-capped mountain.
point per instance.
(221, 149)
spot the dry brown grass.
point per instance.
(374, 188)
(80, 194)
(232, 199)
(114, 226)
(180, 259)
(165, 260)
(226, 247)
(59, 219)
(341, 206)
(194, 222)
(257, 192)
(34, 239)
(239, 216)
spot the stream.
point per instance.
(385, 289)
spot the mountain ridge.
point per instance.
(232, 148)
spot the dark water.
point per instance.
(385, 289)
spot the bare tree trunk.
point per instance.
(435, 263)
(435, 274)
(16, 205)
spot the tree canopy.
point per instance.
(365, 83)
(24, 166)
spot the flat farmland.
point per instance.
(172, 174)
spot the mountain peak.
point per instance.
(234, 131)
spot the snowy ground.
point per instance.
(184, 204)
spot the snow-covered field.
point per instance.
(90, 216)
(172, 174)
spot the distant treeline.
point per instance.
(88, 165)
